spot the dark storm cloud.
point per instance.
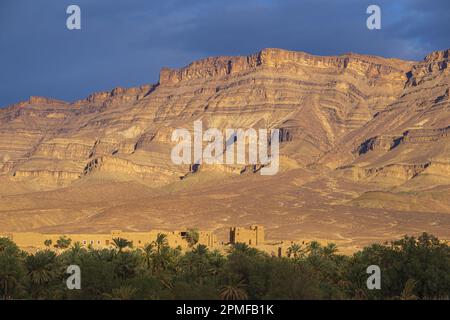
(125, 43)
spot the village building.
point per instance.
(32, 241)
(253, 236)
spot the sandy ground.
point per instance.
(294, 205)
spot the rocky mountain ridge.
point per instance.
(375, 124)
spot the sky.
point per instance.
(124, 43)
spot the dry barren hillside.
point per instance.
(365, 151)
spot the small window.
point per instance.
(92, 241)
(84, 242)
(107, 242)
(98, 242)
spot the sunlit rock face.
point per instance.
(351, 123)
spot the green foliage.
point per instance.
(412, 268)
(122, 293)
(121, 243)
(234, 289)
(292, 280)
(63, 242)
(296, 251)
(42, 271)
(423, 261)
(48, 242)
(192, 236)
(12, 269)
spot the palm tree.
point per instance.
(330, 249)
(408, 291)
(63, 243)
(160, 257)
(235, 290)
(11, 267)
(314, 248)
(200, 250)
(122, 293)
(10, 273)
(121, 243)
(160, 242)
(48, 243)
(295, 250)
(149, 250)
(216, 260)
(244, 248)
(75, 250)
(192, 236)
(41, 270)
(240, 246)
(77, 246)
(8, 246)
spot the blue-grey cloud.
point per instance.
(125, 43)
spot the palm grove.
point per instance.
(412, 268)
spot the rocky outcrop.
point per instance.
(114, 165)
(411, 130)
(118, 94)
(379, 143)
(63, 149)
(343, 111)
(286, 61)
(435, 63)
(47, 174)
(395, 174)
(412, 136)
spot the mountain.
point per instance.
(365, 152)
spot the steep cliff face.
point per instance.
(367, 123)
(412, 131)
(313, 100)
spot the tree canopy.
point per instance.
(411, 268)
